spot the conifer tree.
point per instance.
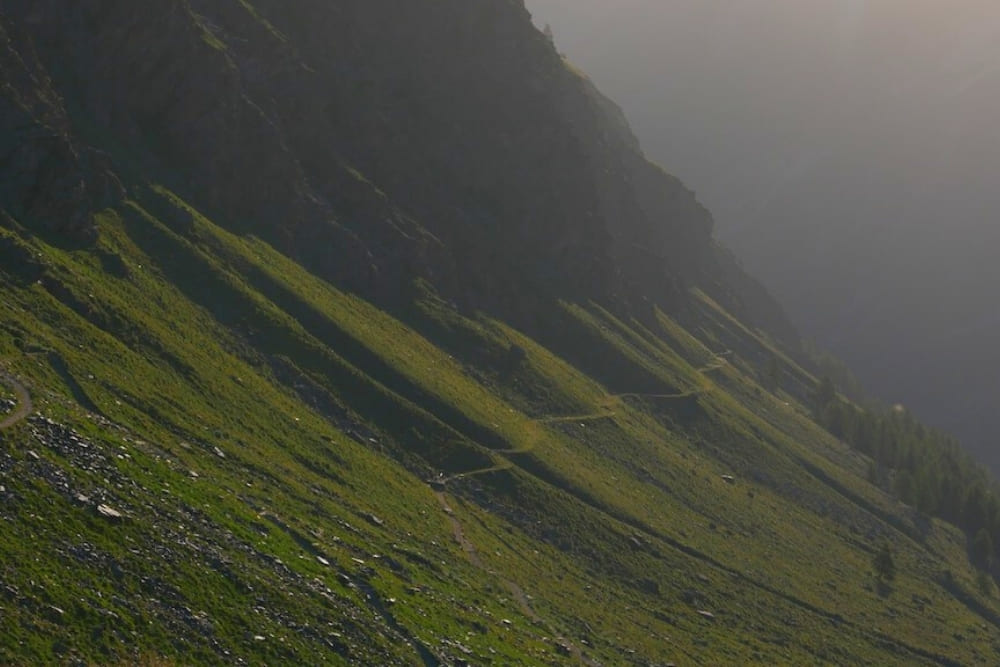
(982, 549)
(885, 567)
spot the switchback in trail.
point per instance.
(24, 405)
(606, 412)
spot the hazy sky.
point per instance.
(739, 98)
(849, 151)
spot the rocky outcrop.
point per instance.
(46, 178)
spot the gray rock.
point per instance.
(109, 512)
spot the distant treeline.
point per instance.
(923, 467)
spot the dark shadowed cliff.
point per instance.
(442, 140)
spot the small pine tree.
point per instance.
(982, 550)
(826, 391)
(985, 583)
(905, 487)
(885, 567)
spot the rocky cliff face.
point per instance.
(376, 141)
(45, 175)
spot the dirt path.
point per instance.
(576, 418)
(457, 532)
(506, 465)
(664, 397)
(517, 593)
(24, 406)
(532, 440)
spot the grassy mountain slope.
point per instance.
(270, 460)
(298, 397)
